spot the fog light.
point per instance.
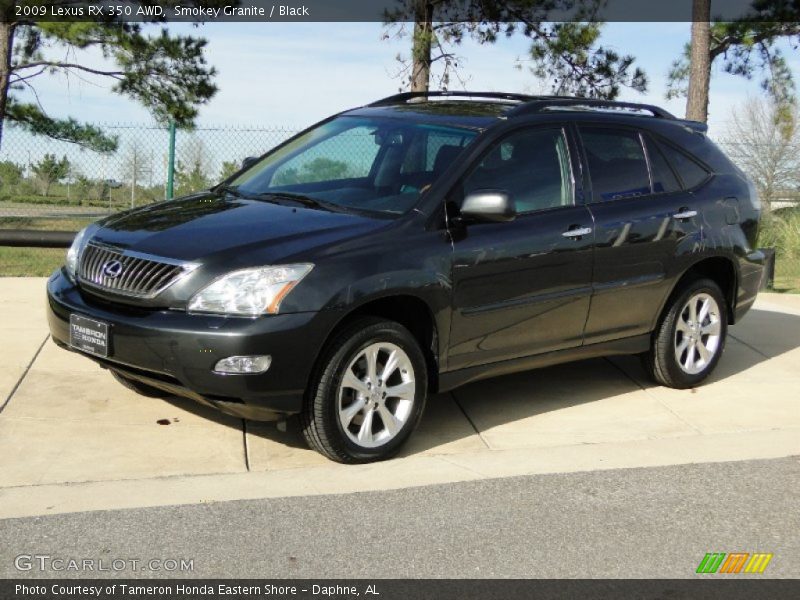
(243, 364)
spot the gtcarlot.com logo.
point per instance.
(45, 562)
(734, 563)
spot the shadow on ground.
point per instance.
(493, 403)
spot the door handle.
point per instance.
(684, 213)
(578, 232)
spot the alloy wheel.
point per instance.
(697, 333)
(376, 395)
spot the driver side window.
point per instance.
(532, 166)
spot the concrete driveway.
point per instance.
(73, 439)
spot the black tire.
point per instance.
(139, 387)
(320, 422)
(661, 362)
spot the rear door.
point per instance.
(642, 213)
(522, 287)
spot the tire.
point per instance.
(139, 387)
(347, 410)
(682, 352)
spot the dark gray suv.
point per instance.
(414, 245)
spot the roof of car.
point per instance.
(480, 110)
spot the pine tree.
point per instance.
(166, 73)
(745, 47)
(566, 54)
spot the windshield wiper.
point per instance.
(302, 199)
(233, 190)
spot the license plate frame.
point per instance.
(89, 335)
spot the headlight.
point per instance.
(249, 292)
(74, 253)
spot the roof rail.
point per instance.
(541, 104)
(537, 104)
(406, 96)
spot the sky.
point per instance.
(293, 74)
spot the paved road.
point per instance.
(648, 522)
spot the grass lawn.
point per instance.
(35, 262)
(30, 262)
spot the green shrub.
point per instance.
(781, 230)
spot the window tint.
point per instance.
(664, 179)
(691, 173)
(617, 164)
(532, 166)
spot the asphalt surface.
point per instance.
(641, 523)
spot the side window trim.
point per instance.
(494, 143)
(647, 162)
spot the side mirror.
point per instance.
(249, 161)
(492, 206)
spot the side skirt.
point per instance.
(629, 345)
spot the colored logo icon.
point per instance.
(735, 562)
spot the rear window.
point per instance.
(690, 172)
(617, 163)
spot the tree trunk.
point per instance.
(6, 42)
(700, 62)
(421, 50)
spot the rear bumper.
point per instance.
(752, 272)
(176, 351)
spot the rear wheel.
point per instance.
(368, 393)
(139, 387)
(689, 340)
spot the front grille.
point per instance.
(127, 273)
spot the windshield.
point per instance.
(373, 164)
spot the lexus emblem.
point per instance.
(112, 269)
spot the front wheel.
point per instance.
(368, 393)
(689, 340)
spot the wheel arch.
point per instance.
(412, 312)
(720, 269)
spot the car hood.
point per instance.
(208, 225)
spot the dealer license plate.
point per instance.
(88, 335)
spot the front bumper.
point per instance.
(176, 351)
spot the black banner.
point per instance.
(391, 10)
(729, 588)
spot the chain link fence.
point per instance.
(48, 185)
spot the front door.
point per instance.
(522, 287)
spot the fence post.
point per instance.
(171, 163)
